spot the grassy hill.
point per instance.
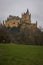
(11, 54)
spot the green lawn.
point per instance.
(11, 54)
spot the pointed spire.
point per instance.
(36, 23)
(27, 11)
(3, 22)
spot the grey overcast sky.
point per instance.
(17, 7)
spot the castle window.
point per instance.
(14, 23)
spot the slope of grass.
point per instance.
(11, 54)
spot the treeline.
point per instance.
(21, 36)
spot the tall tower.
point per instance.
(27, 12)
(36, 23)
(26, 17)
(3, 22)
(30, 17)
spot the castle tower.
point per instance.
(27, 12)
(36, 23)
(30, 18)
(3, 22)
(26, 17)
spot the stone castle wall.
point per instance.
(14, 21)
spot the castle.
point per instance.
(24, 21)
